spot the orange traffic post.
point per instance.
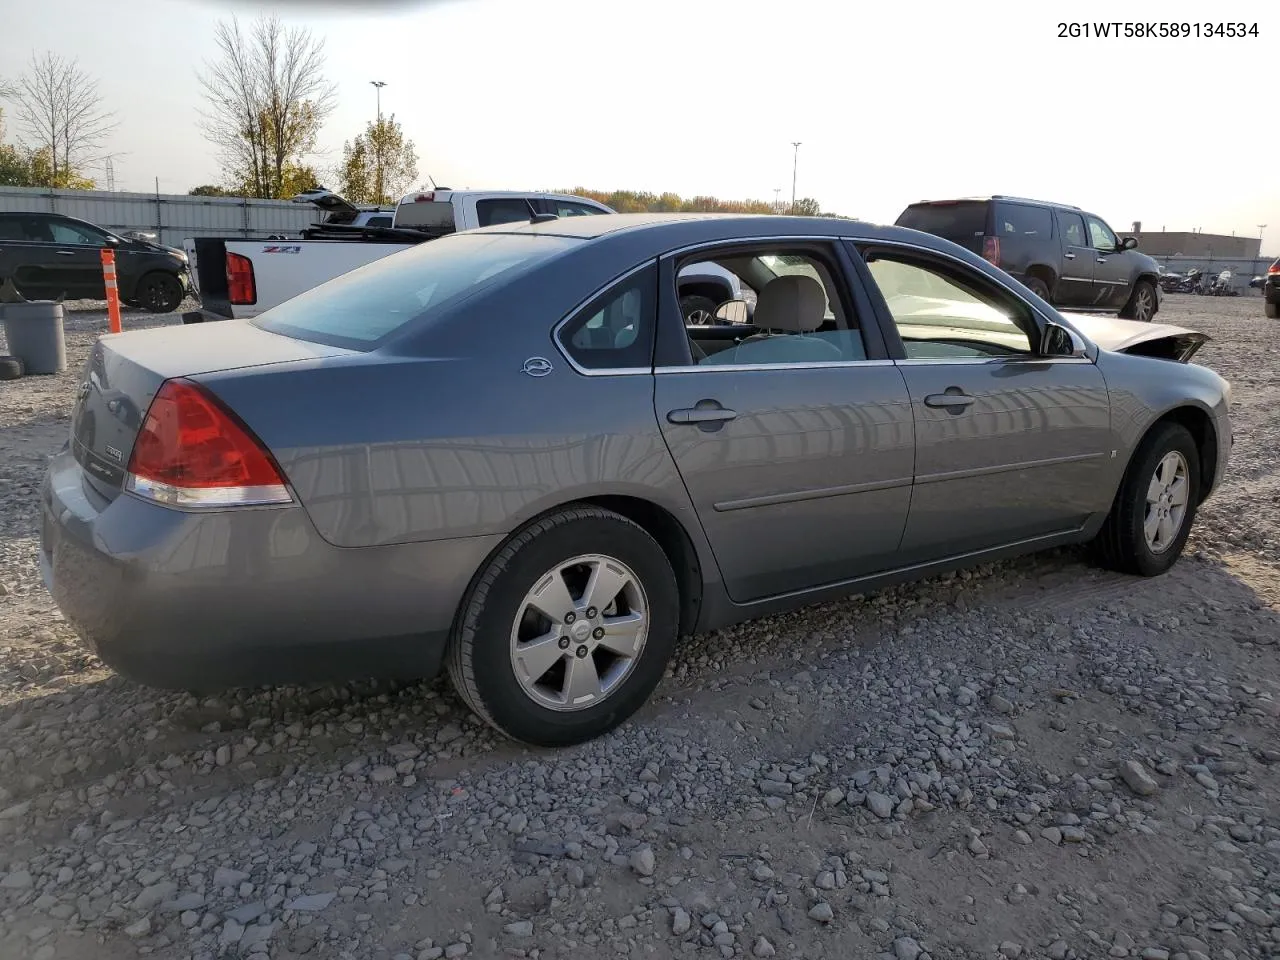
(113, 294)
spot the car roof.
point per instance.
(999, 196)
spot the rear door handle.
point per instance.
(701, 415)
(948, 400)
(66, 253)
(1069, 256)
(1102, 259)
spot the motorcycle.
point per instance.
(1221, 286)
(1191, 282)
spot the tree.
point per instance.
(61, 112)
(629, 201)
(266, 99)
(209, 190)
(379, 165)
(807, 207)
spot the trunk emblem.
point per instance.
(537, 366)
(114, 454)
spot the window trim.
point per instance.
(889, 329)
(840, 268)
(558, 341)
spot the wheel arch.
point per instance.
(1044, 273)
(1199, 423)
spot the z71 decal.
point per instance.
(278, 248)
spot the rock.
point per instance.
(154, 895)
(382, 774)
(226, 877)
(139, 928)
(822, 912)
(1058, 950)
(1258, 918)
(310, 903)
(642, 862)
(1000, 705)
(454, 950)
(18, 880)
(906, 948)
(15, 811)
(247, 913)
(188, 901)
(521, 928)
(1154, 953)
(1000, 731)
(763, 948)
(880, 805)
(231, 933)
(1010, 949)
(1137, 779)
(680, 922)
(1052, 834)
(1022, 837)
(832, 797)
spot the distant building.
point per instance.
(1176, 244)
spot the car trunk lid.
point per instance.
(125, 371)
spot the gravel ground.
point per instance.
(1034, 759)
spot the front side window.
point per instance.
(944, 314)
(1101, 237)
(503, 210)
(615, 331)
(70, 233)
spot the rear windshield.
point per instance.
(427, 213)
(361, 309)
(951, 221)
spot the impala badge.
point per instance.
(537, 366)
(114, 454)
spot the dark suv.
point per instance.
(1063, 254)
(49, 255)
(1271, 291)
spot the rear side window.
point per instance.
(361, 309)
(615, 331)
(952, 221)
(504, 210)
(568, 208)
(1072, 228)
(1018, 220)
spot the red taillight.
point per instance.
(425, 197)
(991, 250)
(1274, 268)
(241, 288)
(193, 452)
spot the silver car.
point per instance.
(506, 452)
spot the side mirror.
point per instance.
(1128, 243)
(1058, 341)
(732, 311)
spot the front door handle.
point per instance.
(948, 400)
(1069, 255)
(66, 253)
(1102, 259)
(708, 414)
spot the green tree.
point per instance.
(629, 201)
(807, 207)
(379, 165)
(209, 190)
(266, 100)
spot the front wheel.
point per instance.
(568, 630)
(159, 293)
(1142, 302)
(1153, 512)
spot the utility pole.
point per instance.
(777, 203)
(377, 143)
(795, 159)
(1261, 227)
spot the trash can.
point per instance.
(35, 335)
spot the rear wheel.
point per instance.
(1153, 512)
(568, 630)
(1272, 310)
(158, 292)
(1142, 302)
(697, 309)
(1038, 287)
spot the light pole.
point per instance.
(795, 160)
(1261, 227)
(777, 204)
(377, 144)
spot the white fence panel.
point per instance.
(172, 217)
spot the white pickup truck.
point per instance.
(237, 278)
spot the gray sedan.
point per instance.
(505, 452)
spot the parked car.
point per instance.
(49, 255)
(506, 452)
(342, 213)
(1062, 254)
(236, 278)
(1271, 291)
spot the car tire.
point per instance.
(1142, 302)
(697, 309)
(492, 655)
(12, 368)
(159, 292)
(1038, 287)
(1166, 455)
(1272, 310)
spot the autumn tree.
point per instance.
(379, 165)
(61, 113)
(630, 201)
(266, 98)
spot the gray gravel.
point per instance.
(1033, 759)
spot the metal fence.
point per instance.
(172, 217)
(1243, 269)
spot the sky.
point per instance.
(891, 102)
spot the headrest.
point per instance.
(793, 304)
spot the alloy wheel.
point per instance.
(1166, 502)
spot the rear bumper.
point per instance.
(207, 601)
